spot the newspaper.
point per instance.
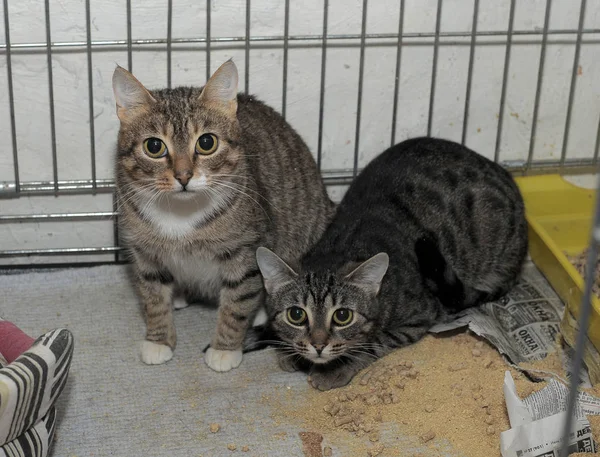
(523, 325)
(537, 422)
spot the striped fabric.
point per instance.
(29, 388)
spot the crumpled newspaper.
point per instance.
(537, 422)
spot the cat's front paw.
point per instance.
(222, 360)
(155, 353)
(326, 380)
(180, 303)
(287, 362)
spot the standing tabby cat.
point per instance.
(427, 229)
(204, 176)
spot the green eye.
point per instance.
(155, 148)
(342, 317)
(207, 144)
(296, 315)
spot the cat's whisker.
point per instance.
(242, 193)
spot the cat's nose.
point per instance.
(319, 348)
(183, 177)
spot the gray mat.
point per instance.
(114, 405)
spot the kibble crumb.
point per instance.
(489, 420)
(408, 364)
(327, 451)
(429, 408)
(231, 447)
(476, 352)
(375, 450)
(374, 436)
(245, 448)
(456, 367)
(490, 430)
(214, 428)
(428, 436)
(413, 373)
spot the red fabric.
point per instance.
(13, 342)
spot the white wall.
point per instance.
(266, 65)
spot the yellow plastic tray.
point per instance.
(559, 215)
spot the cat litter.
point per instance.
(465, 408)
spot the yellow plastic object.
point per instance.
(560, 215)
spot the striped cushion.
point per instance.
(29, 388)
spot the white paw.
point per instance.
(180, 303)
(261, 318)
(155, 354)
(222, 360)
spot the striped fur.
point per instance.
(260, 187)
(452, 225)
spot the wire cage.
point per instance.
(515, 81)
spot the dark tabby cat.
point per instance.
(427, 229)
(205, 176)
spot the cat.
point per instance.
(427, 229)
(204, 176)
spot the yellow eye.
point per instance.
(155, 148)
(207, 144)
(342, 317)
(296, 315)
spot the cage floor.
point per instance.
(114, 405)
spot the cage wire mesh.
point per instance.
(516, 81)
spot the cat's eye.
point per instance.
(155, 148)
(342, 317)
(207, 144)
(296, 315)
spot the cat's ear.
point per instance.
(130, 94)
(275, 272)
(369, 274)
(221, 89)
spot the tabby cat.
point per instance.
(205, 176)
(428, 229)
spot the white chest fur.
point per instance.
(195, 273)
(175, 217)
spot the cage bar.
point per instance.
(51, 96)
(436, 45)
(169, 39)
(11, 99)
(538, 90)
(208, 24)
(63, 46)
(565, 144)
(470, 70)
(397, 78)
(286, 33)
(129, 41)
(322, 90)
(56, 217)
(361, 71)
(88, 30)
(582, 324)
(509, 35)
(58, 251)
(247, 49)
(597, 146)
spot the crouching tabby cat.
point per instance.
(427, 229)
(205, 176)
